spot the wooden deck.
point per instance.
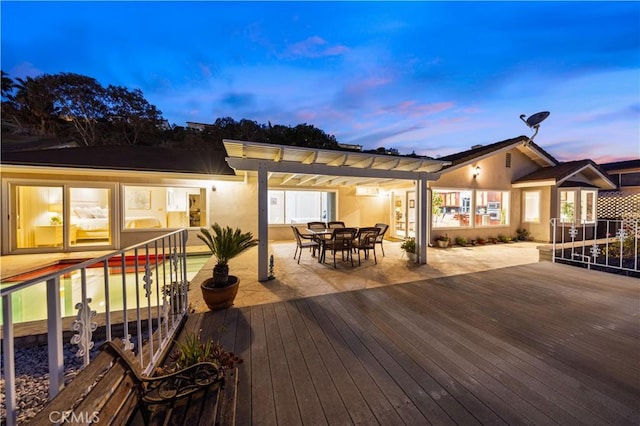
(537, 344)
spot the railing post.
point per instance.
(553, 245)
(54, 336)
(8, 361)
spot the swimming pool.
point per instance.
(30, 304)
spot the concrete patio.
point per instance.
(310, 278)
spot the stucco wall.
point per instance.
(494, 175)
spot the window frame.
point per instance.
(286, 220)
(524, 206)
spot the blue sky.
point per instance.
(430, 77)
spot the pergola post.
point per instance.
(263, 222)
(423, 219)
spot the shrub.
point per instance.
(461, 241)
(523, 234)
(194, 350)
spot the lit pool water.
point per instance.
(30, 304)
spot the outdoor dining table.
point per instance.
(321, 235)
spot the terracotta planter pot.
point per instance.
(220, 298)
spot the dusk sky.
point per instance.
(430, 77)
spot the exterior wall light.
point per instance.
(476, 172)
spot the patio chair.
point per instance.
(366, 241)
(304, 241)
(336, 224)
(341, 241)
(380, 238)
(316, 226)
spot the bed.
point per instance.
(92, 222)
(142, 222)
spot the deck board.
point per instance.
(541, 343)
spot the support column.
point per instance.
(263, 222)
(424, 216)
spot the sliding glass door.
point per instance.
(57, 217)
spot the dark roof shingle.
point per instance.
(127, 157)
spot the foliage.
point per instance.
(226, 243)
(523, 234)
(444, 237)
(492, 240)
(194, 350)
(55, 220)
(436, 203)
(409, 245)
(77, 108)
(630, 247)
(481, 241)
(567, 211)
(461, 241)
(503, 238)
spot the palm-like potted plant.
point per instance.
(224, 243)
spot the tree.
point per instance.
(131, 114)
(35, 102)
(80, 100)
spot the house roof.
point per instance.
(561, 175)
(126, 157)
(619, 166)
(522, 143)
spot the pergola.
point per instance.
(309, 167)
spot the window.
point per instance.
(492, 208)
(567, 206)
(290, 207)
(451, 208)
(90, 216)
(588, 206)
(531, 206)
(164, 207)
(39, 218)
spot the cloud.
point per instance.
(315, 47)
(413, 109)
(238, 100)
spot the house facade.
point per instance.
(497, 189)
(91, 198)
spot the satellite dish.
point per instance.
(534, 121)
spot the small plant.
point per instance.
(194, 350)
(55, 220)
(503, 238)
(523, 234)
(444, 237)
(461, 241)
(481, 241)
(409, 245)
(492, 240)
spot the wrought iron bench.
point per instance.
(111, 390)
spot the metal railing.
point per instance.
(610, 245)
(155, 271)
